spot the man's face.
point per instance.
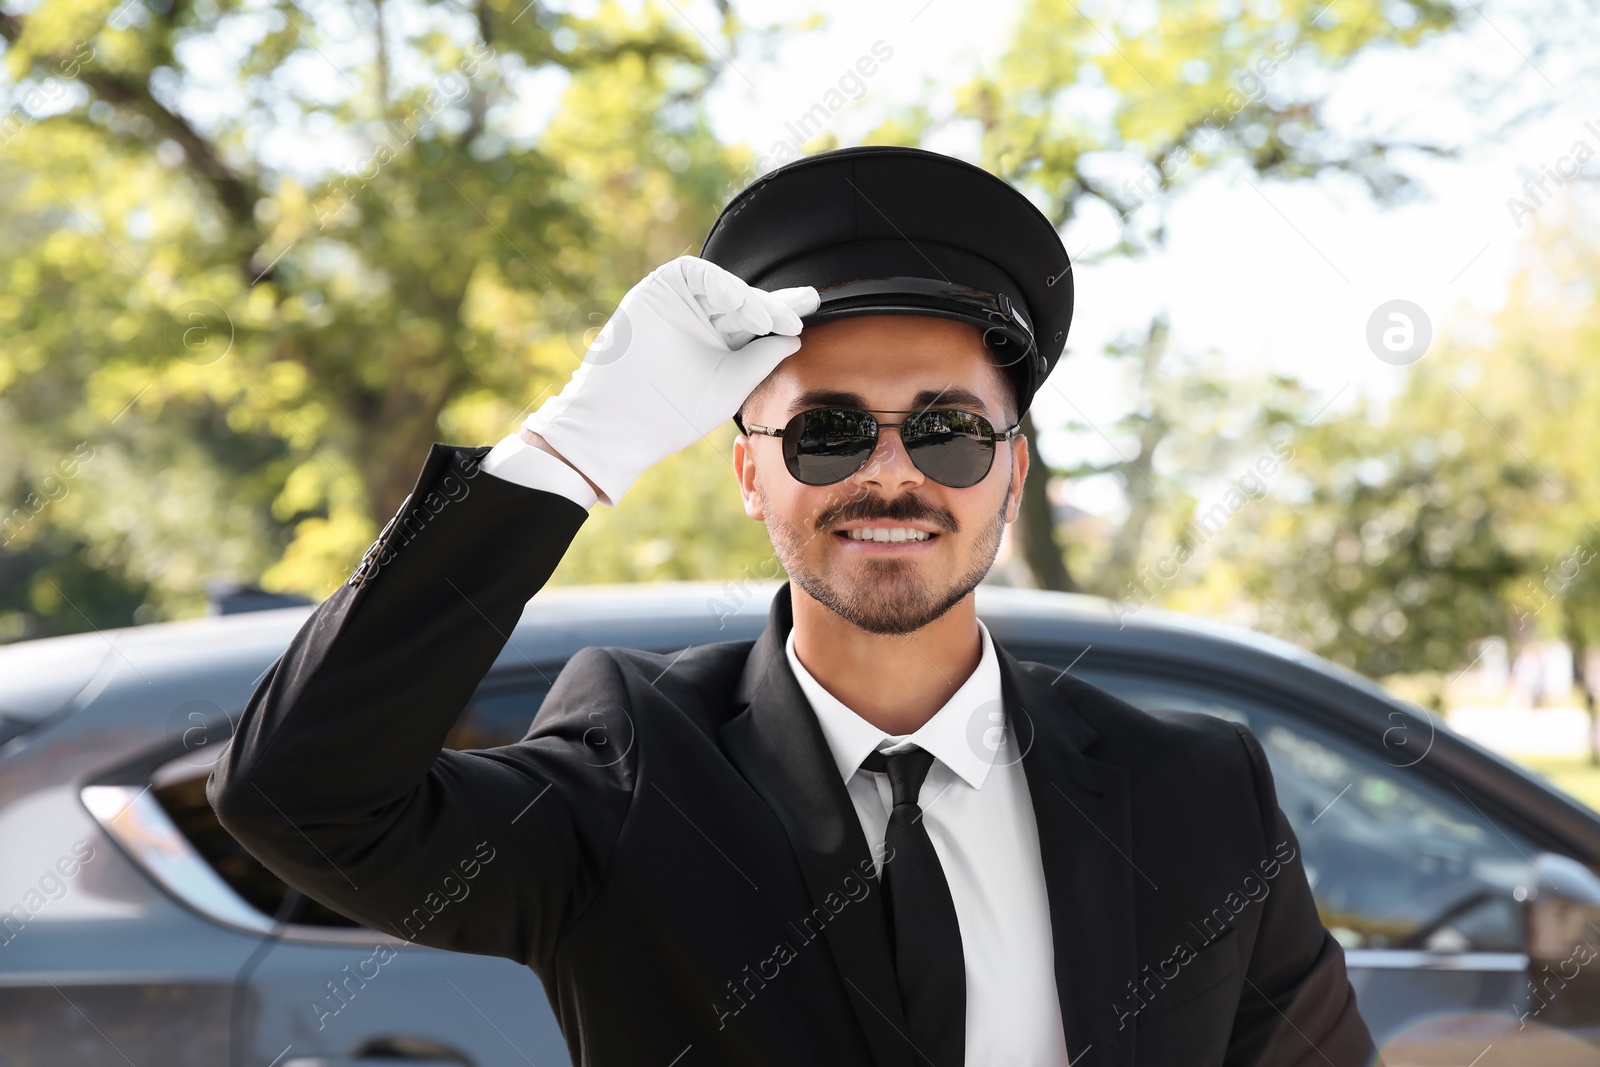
(886, 362)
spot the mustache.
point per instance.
(900, 509)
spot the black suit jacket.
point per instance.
(672, 850)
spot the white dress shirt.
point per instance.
(976, 807)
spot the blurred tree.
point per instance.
(683, 521)
(1396, 535)
(259, 338)
(1108, 118)
(260, 255)
(1463, 508)
(1536, 382)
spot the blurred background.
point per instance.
(1329, 377)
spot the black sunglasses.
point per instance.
(826, 445)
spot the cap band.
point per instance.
(1005, 324)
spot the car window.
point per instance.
(499, 713)
(1394, 860)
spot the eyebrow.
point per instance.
(950, 396)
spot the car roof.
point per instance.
(161, 670)
(41, 675)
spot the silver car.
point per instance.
(134, 929)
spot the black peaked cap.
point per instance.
(889, 230)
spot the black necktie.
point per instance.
(924, 937)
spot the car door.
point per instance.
(1428, 895)
(322, 991)
(98, 966)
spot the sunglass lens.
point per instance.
(954, 448)
(827, 445)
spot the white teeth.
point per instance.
(888, 534)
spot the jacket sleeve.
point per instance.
(1297, 1008)
(337, 779)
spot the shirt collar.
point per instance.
(959, 734)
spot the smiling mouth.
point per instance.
(886, 535)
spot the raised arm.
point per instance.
(337, 778)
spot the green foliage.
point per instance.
(260, 344)
(682, 519)
(255, 258)
(1105, 117)
(1463, 509)
(1400, 536)
(1084, 97)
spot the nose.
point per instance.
(889, 468)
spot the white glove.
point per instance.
(679, 355)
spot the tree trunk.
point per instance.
(1574, 635)
(395, 443)
(1117, 575)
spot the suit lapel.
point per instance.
(778, 747)
(1085, 845)
(1085, 842)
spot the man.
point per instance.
(870, 836)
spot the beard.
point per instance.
(887, 596)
